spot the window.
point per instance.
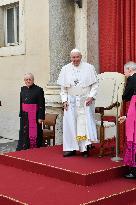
(11, 21)
(12, 35)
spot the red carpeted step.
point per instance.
(50, 162)
(126, 197)
(34, 189)
(5, 200)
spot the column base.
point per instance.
(53, 105)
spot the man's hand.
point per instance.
(65, 105)
(89, 101)
(40, 121)
(122, 119)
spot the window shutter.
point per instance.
(2, 41)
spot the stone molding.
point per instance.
(52, 97)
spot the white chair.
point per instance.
(109, 103)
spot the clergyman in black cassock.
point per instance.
(32, 113)
(130, 95)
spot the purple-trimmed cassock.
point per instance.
(32, 108)
(130, 149)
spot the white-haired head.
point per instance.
(130, 65)
(28, 75)
(76, 57)
(29, 79)
(129, 68)
(75, 50)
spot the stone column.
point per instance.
(61, 41)
(81, 29)
(92, 33)
(86, 31)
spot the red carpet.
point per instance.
(21, 183)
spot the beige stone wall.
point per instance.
(35, 60)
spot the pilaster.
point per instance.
(61, 30)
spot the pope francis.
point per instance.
(79, 85)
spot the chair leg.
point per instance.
(53, 141)
(101, 153)
(48, 142)
(54, 135)
(44, 143)
(118, 138)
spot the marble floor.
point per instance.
(7, 145)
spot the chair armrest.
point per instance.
(101, 109)
(116, 104)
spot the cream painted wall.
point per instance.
(35, 60)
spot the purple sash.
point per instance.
(31, 109)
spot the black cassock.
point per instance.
(32, 108)
(130, 88)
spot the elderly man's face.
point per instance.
(76, 58)
(127, 72)
(29, 81)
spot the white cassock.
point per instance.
(77, 84)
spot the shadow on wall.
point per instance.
(9, 124)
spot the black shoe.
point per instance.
(88, 148)
(69, 153)
(130, 176)
(85, 154)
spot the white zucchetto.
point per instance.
(75, 50)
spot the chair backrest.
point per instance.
(118, 90)
(50, 119)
